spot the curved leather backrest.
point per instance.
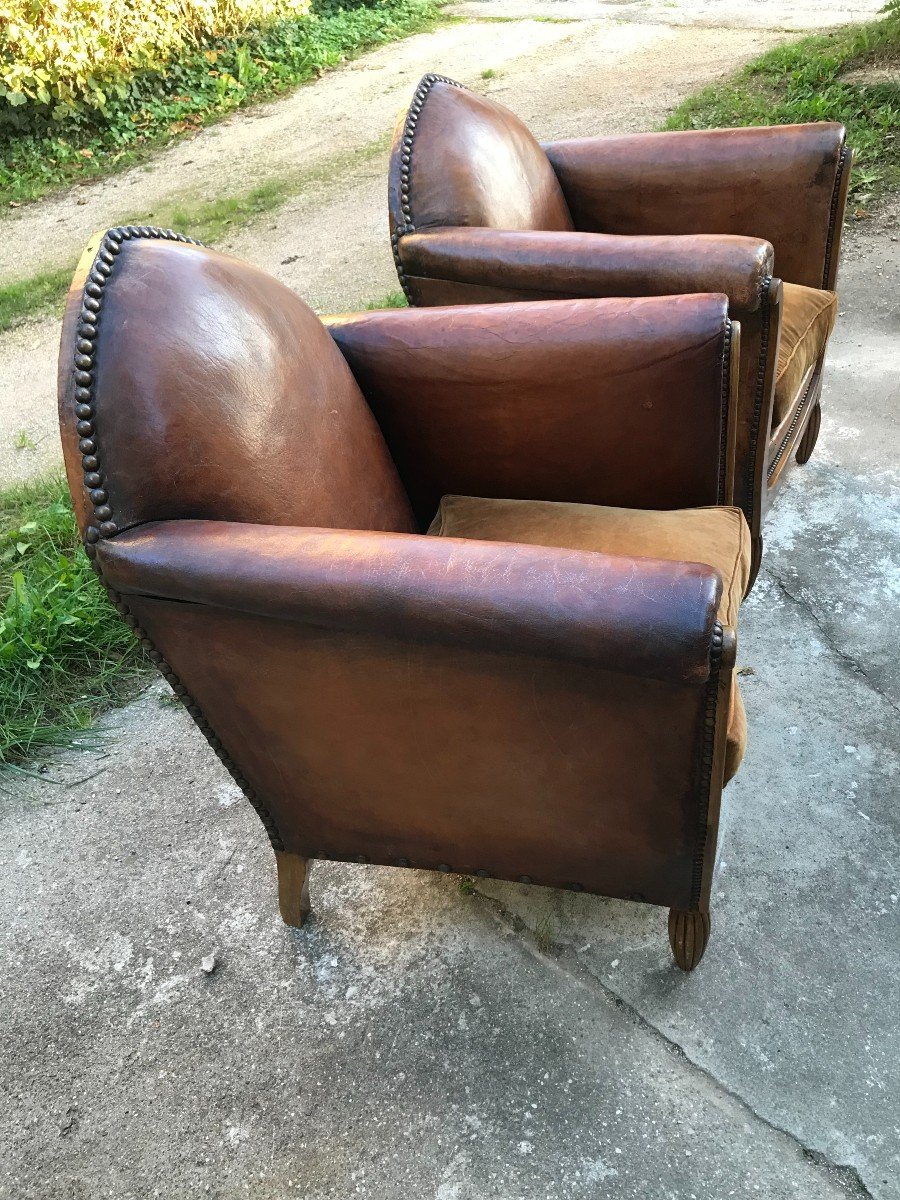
(459, 159)
(195, 386)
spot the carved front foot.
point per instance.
(293, 887)
(807, 443)
(688, 934)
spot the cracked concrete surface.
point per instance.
(415, 1040)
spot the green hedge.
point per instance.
(108, 100)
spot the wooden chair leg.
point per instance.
(756, 553)
(688, 935)
(810, 435)
(293, 888)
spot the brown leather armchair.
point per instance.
(480, 212)
(425, 579)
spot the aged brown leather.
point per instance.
(379, 694)
(286, 435)
(489, 170)
(716, 535)
(391, 750)
(712, 210)
(773, 182)
(483, 596)
(551, 401)
(585, 264)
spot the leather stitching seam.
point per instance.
(758, 398)
(706, 766)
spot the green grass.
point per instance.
(391, 300)
(208, 221)
(806, 81)
(202, 86)
(65, 653)
(32, 296)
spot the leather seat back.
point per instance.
(195, 386)
(461, 159)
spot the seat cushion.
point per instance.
(718, 537)
(808, 317)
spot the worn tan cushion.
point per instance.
(807, 319)
(718, 537)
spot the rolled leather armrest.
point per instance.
(593, 264)
(782, 183)
(637, 616)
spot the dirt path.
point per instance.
(564, 77)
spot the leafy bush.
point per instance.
(64, 58)
(121, 107)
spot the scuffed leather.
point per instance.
(592, 264)
(780, 189)
(377, 693)
(775, 183)
(637, 615)
(479, 166)
(615, 402)
(394, 747)
(220, 395)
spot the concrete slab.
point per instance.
(411, 1041)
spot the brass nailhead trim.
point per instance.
(406, 149)
(843, 161)
(786, 440)
(103, 525)
(764, 289)
(706, 762)
(726, 397)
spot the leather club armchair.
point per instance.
(425, 579)
(480, 212)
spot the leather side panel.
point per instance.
(377, 746)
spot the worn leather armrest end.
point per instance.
(636, 616)
(594, 264)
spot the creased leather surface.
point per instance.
(219, 394)
(475, 163)
(634, 615)
(614, 402)
(774, 182)
(592, 264)
(388, 747)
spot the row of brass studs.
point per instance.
(843, 160)
(406, 148)
(764, 289)
(706, 764)
(104, 526)
(726, 403)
